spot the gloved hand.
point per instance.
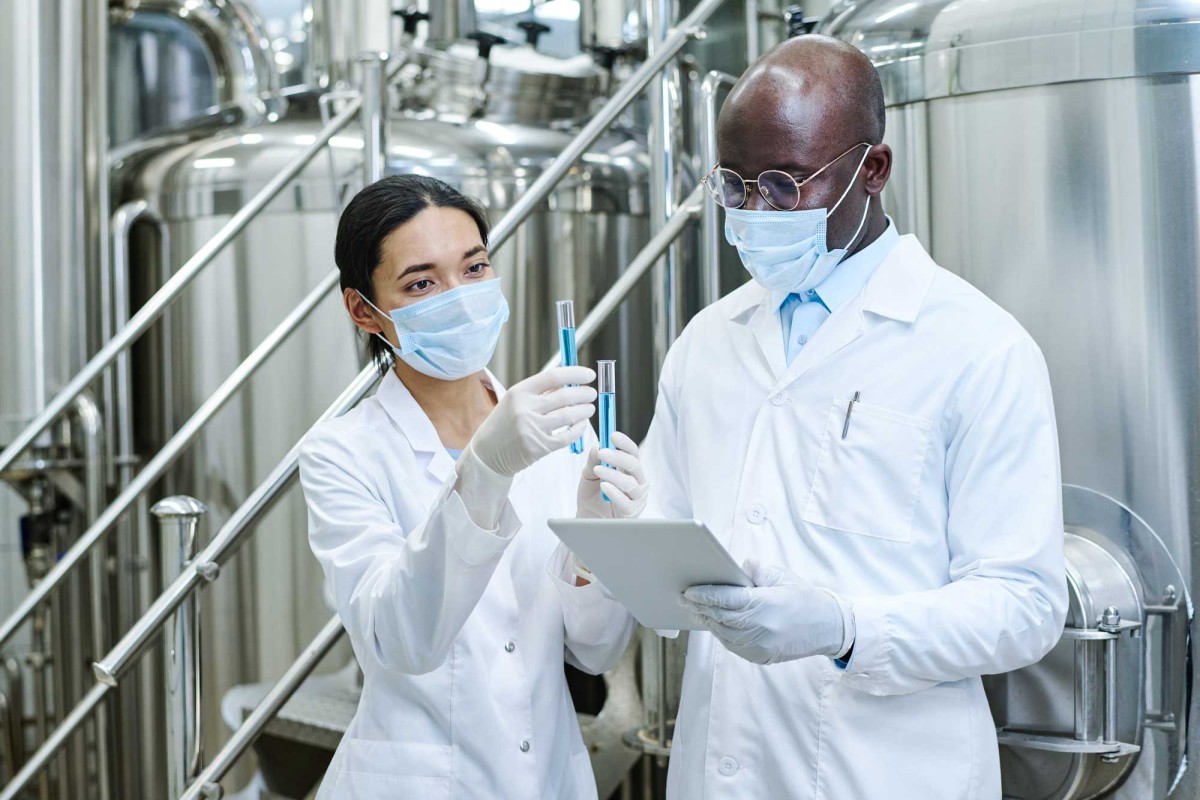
(623, 481)
(780, 619)
(534, 418)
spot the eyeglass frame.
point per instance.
(758, 185)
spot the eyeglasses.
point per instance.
(777, 187)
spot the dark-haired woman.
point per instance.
(427, 509)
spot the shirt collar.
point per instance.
(849, 277)
(408, 415)
(895, 290)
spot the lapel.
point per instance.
(896, 291)
(414, 423)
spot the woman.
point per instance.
(427, 510)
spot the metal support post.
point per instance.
(178, 519)
(374, 115)
(664, 119)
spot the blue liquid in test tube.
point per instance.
(607, 371)
(567, 348)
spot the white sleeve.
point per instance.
(403, 595)
(1005, 605)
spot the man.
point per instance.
(876, 439)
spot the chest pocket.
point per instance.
(868, 483)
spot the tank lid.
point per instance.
(937, 48)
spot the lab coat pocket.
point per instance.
(868, 482)
(377, 770)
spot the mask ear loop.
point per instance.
(866, 208)
(379, 311)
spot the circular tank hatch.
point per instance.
(1113, 691)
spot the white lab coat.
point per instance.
(460, 632)
(938, 517)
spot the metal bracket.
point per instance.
(1108, 630)
(208, 570)
(1063, 744)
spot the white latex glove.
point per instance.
(623, 481)
(780, 618)
(534, 418)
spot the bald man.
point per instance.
(875, 439)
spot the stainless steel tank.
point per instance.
(1047, 152)
(268, 605)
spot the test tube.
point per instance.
(567, 348)
(607, 372)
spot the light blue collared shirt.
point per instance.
(801, 315)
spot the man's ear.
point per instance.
(877, 169)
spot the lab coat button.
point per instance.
(778, 399)
(728, 766)
(509, 647)
(756, 515)
(525, 746)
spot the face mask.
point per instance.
(453, 334)
(787, 250)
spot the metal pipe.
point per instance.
(267, 709)
(374, 115)
(57, 739)
(167, 455)
(134, 716)
(540, 189)
(711, 239)
(155, 306)
(206, 565)
(38, 662)
(92, 425)
(688, 210)
(178, 520)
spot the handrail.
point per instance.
(205, 784)
(711, 237)
(541, 188)
(154, 307)
(306, 662)
(165, 457)
(204, 567)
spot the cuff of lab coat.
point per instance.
(561, 567)
(872, 643)
(847, 609)
(476, 545)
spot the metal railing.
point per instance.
(158, 303)
(119, 344)
(206, 566)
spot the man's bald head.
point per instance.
(836, 84)
(808, 104)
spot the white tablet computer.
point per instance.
(647, 564)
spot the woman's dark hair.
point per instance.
(372, 215)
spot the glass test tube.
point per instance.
(567, 349)
(607, 372)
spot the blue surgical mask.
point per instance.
(453, 334)
(787, 251)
